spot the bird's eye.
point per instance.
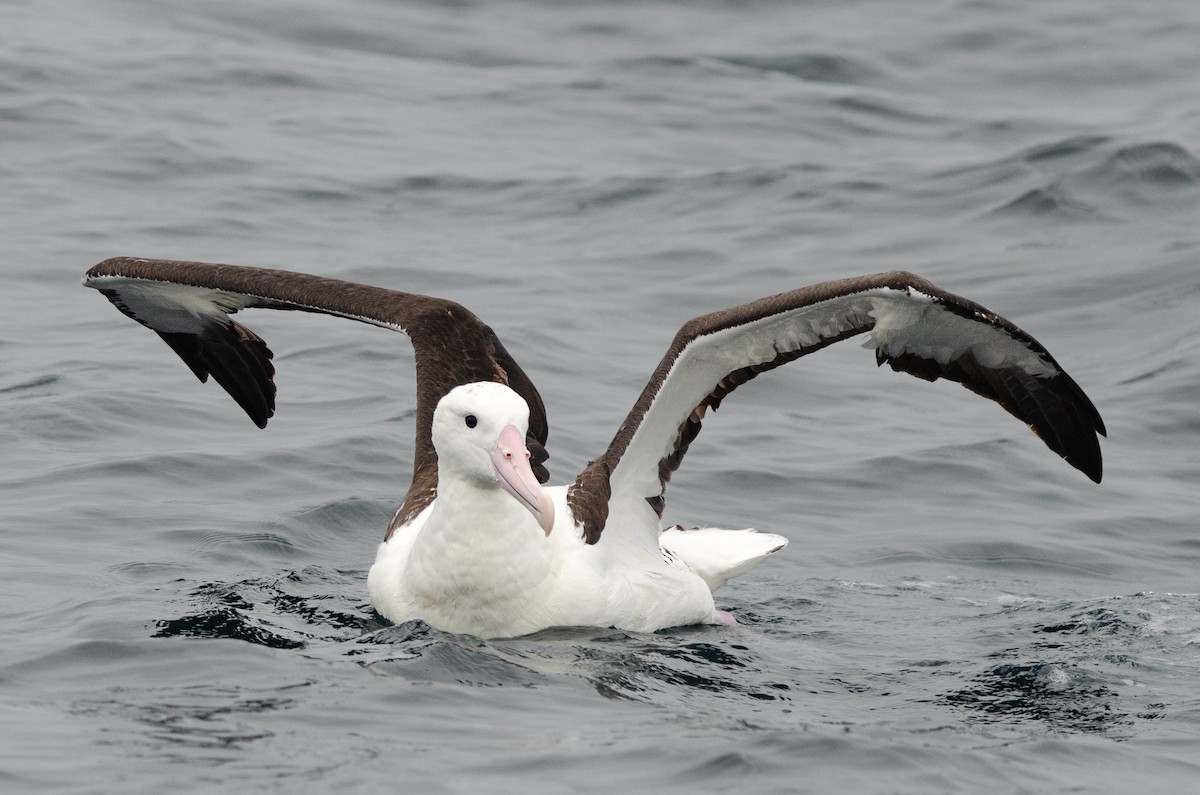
(471, 420)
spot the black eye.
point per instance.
(471, 420)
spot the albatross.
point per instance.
(480, 545)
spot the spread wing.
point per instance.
(913, 326)
(188, 304)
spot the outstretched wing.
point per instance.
(189, 305)
(914, 326)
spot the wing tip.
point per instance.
(1093, 468)
(107, 267)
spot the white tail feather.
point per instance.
(716, 555)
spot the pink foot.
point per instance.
(724, 618)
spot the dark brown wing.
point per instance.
(915, 327)
(189, 305)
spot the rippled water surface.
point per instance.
(182, 596)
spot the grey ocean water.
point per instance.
(182, 596)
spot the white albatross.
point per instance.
(479, 546)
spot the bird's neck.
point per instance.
(478, 552)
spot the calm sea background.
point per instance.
(182, 596)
